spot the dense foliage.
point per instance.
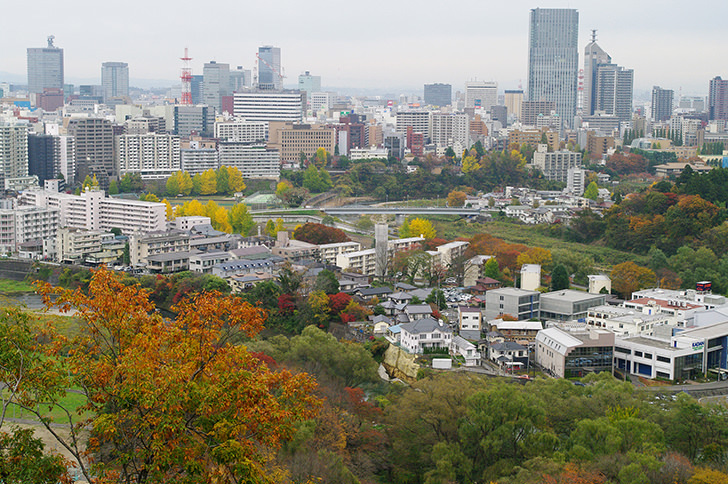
(318, 234)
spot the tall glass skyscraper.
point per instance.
(269, 68)
(45, 68)
(115, 79)
(553, 59)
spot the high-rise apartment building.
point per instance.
(270, 76)
(13, 151)
(193, 120)
(243, 131)
(451, 130)
(553, 59)
(438, 94)
(418, 120)
(309, 83)
(45, 68)
(607, 87)
(115, 80)
(254, 160)
(718, 99)
(43, 159)
(94, 139)
(153, 156)
(215, 84)
(661, 103)
(481, 94)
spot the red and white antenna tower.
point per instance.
(186, 79)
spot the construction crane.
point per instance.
(280, 75)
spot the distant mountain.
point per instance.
(13, 78)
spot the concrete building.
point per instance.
(531, 111)
(141, 245)
(153, 156)
(419, 121)
(519, 303)
(321, 101)
(575, 180)
(568, 304)
(451, 130)
(254, 160)
(553, 57)
(240, 79)
(291, 139)
(438, 94)
(266, 105)
(270, 76)
(13, 151)
(43, 161)
(661, 103)
(35, 223)
(215, 84)
(240, 130)
(626, 322)
(329, 252)
(94, 140)
(425, 333)
(197, 157)
(74, 245)
(481, 94)
(574, 354)
(193, 120)
(513, 99)
(613, 91)
(533, 137)
(599, 282)
(718, 99)
(556, 165)
(45, 68)
(115, 81)
(530, 277)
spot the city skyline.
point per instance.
(378, 49)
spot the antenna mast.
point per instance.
(186, 79)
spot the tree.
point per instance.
(126, 256)
(326, 281)
(437, 297)
(417, 227)
(314, 233)
(456, 198)
(270, 228)
(205, 183)
(179, 183)
(535, 255)
(490, 268)
(150, 197)
(236, 184)
(113, 187)
(131, 182)
(173, 399)
(168, 210)
(592, 191)
(559, 278)
(240, 219)
(628, 277)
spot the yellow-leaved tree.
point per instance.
(417, 227)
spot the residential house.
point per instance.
(425, 333)
(466, 349)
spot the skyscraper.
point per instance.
(718, 99)
(661, 103)
(309, 83)
(215, 84)
(45, 68)
(553, 59)
(270, 76)
(607, 87)
(438, 94)
(94, 139)
(115, 80)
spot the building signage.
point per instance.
(698, 346)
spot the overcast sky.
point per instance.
(392, 45)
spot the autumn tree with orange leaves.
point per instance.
(170, 400)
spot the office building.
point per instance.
(321, 101)
(531, 111)
(115, 80)
(718, 99)
(574, 353)
(309, 83)
(270, 76)
(519, 303)
(13, 151)
(244, 131)
(254, 160)
(196, 88)
(262, 105)
(293, 139)
(513, 99)
(43, 161)
(481, 94)
(419, 121)
(240, 79)
(553, 57)
(438, 94)
(194, 120)
(153, 156)
(661, 103)
(607, 87)
(45, 68)
(94, 138)
(215, 84)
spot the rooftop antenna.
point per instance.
(51, 38)
(594, 35)
(186, 78)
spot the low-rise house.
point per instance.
(415, 312)
(425, 333)
(509, 355)
(466, 349)
(470, 322)
(519, 331)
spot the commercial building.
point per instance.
(309, 83)
(115, 81)
(254, 160)
(194, 120)
(519, 303)
(531, 111)
(215, 84)
(240, 130)
(267, 105)
(534, 137)
(555, 165)
(94, 139)
(240, 79)
(553, 57)
(661, 103)
(43, 161)
(451, 130)
(438, 94)
(153, 156)
(613, 91)
(45, 68)
(481, 94)
(13, 151)
(513, 99)
(718, 99)
(567, 304)
(574, 353)
(293, 139)
(270, 76)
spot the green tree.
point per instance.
(326, 281)
(113, 187)
(491, 269)
(559, 278)
(437, 297)
(240, 218)
(126, 256)
(592, 191)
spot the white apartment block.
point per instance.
(35, 223)
(556, 165)
(142, 245)
(451, 130)
(73, 245)
(252, 159)
(93, 211)
(269, 105)
(7, 231)
(451, 252)
(419, 120)
(329, 252)
(241, 130)
(364, 261)
(13, 151)
(154, 156)
(196, 160)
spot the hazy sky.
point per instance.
(394, 45)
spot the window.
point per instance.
(663, 359)
(638, 353)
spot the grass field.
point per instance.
(71, 401)
(8, 286)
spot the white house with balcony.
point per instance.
(425, 333)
